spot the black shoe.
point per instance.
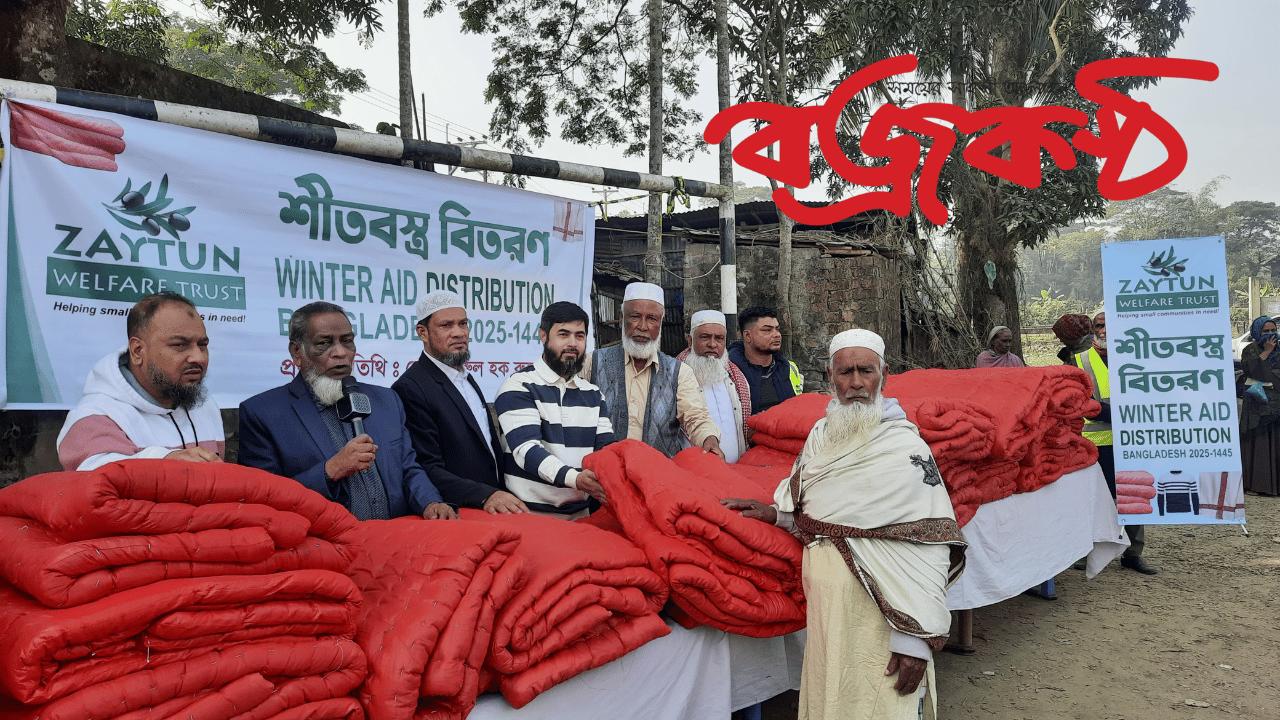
(1080, 564)
(1137, 563)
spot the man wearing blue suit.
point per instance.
(294, 430)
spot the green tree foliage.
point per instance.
(301, 20)
(294, 72)
(289, 70)
(992, 53)
(584, 63)
(134, 27)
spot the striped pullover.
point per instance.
(550, 424)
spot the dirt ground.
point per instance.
(1200, 640)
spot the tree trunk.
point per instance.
(33, 42)
(981, 236)
(783, 97)
(653, 260)
(406, 71)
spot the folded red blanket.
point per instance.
(71, 538)
(726, 571)
(432, 589)
(589, 598)
(153, 497)
(791, 446)
(47, 653)
(764, 456)
(1134, 508)
(289, 678)
(795, 420)
(1135, 477)
(1138, 492)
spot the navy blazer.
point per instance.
(449, 443)
(281, 432)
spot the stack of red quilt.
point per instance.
(432, 589)
(589, 598)
(993, 431)
(155, 588)
(724, 570)
(1134, 491)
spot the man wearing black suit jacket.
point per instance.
(452, 430)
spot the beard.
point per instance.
(708, 369)
(455, 360)
(849, 425)
(640, 351)
(183, 397)
(564, 368)
(327, 390)
(1100, 343)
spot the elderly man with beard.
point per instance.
(651, 396)
(294, 430)
(881, 547)
(453, 432)
(148, 399)
(724, 388)
(552, 419)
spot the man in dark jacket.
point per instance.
(452, 430)
(772, 377)
(295, 430)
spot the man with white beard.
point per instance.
(881, 547)
(651, 396)
(724, 387)
(294, 430)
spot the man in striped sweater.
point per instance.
(552, 419)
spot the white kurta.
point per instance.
(720, 397)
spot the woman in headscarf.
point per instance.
(1259, 418)
(997, 354)
(1076, 334)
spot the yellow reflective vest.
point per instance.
(1099, 433)
(797, 380)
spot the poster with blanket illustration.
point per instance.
(1175, 424)
(100, 210)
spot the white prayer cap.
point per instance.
(704, 317)
(644, 291)
(438, 300)
(854, 338)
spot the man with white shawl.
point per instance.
(881, 547)
(723, 385)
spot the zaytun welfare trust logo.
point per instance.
(135, 211)
(1165, 264)
(145, 252)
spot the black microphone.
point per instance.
(354, 406)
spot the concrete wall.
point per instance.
(828, 295)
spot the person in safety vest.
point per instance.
(772, 377)
(1097, 430)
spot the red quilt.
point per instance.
(589, 599)
(133, 523)
(432, 589)
(286, 678)
(724, 570)
(993, 431)
(48, 653)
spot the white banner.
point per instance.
(1172, 381)
(103, 209)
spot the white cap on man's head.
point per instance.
(644, 291)
(856, 338)
(436, 301)
(705, 317)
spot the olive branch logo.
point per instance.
(1165, 264)
(134, 204)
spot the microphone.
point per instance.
(354, 406)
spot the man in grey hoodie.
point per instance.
(148, 399)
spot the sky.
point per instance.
(1228, 124)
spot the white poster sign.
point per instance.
(101, 210)
(1172, 382)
